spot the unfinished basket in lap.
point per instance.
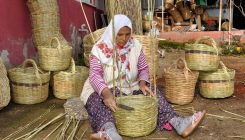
(4, 86)
(202, 57)
(29, 84)
(70, 83)
(217, 84)
(180, 84)
(55, 57)
(139, 122)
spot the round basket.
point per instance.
(180, 83)
(89, 41)
(42, 5)
(29, 84)
(45, 20)
(185, 12)
(150, 48)
(139, 122)
(202, 57)
(176, 15)
(68, 84)
(218, 84)
(55, 57)
(4, 86)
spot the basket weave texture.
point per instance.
(68, 84)
(202, 57)
(56, 56)
(4, 86)
(29, 84)
(150, 47)
(139, 122)
(218, 84)
(180, 84)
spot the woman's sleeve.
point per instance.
(143, 69)
(96, 74)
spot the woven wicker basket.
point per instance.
(55, 57)
(180, 84)
(68, 84)
(202, 57)
(139, 122)
(29, 84)
(42, 6)
(218, 84)
(88, 42)
(150, 47)
(177, 17)
(45, 20)
(4, 86)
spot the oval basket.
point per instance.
(55, 57)
(218, 84)
(4, 86)
(68, 84)
(202, 57)
(29, 84)
(139, 122)
(180, 83)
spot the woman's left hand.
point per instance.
(145, 89)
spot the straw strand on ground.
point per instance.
(53, 131)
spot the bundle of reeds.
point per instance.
(4, 86)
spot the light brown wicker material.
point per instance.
(202, 57)
(38, 6)
(217, 84)
(150, 47)
(4, 86)
(55, 57)
(68, 84)
(177, 17)
(29, 84)
(45, 20)
(180, 84)
(139, 122)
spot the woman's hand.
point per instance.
(109, 99)
(145, 89)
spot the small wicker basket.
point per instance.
(55, 57)
(139, 122)
(218, 84)
(29, 84)
(202, 57)
(69, 83)
(4, 86)
(180, 83)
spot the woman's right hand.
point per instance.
(109, 99)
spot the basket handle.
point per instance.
(72, 66)
(34, 65)
(186, 70)
(213, 43)
(224, 68)
(58, 42)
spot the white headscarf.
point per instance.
(107, 38)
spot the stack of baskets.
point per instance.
(180, 83)
(214, 82)
(68, 84)
(4, 86)
(139, 122)
(29, 84)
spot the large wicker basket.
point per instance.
(42, 5)
(29, 84)
(70, 83)
(88, 42)
(4, 86)
(180, 84)
(139, 122)
(218, 84)
(150, 48)
(55, 57)
(202, 57)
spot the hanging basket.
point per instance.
(202, 57)
(29, 84)
(55, 57)
(180, 83)
(139, 122)
(68, 84)
(218, 84)
(4, 86)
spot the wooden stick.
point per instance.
(220, 14)
(162, 16)
(230, 24)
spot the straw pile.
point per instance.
(4, 86)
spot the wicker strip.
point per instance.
(139, 122)
(180, 84)
(223, 88)
(4, 86)
(32, 76)
(204, 61)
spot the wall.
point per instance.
(15, 28)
